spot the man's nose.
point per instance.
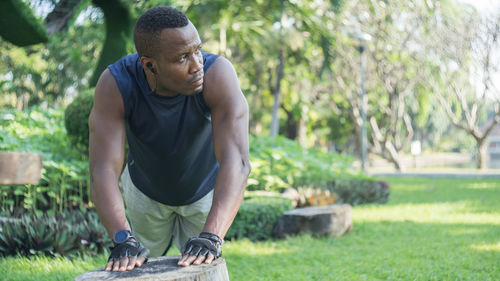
(196, 63)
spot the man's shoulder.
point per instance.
(221, 83)
(220, 66)
(127, 61)
(208, 60)
(129, 77)
(126, 70)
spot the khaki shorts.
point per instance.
(155, 224)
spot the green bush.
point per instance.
(29, 29)
(62, 234)
(65, 176)
(76, 118)
(280, 163)
(257, 216)
(357, 191)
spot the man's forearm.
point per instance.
(228, 194)
(108, 200)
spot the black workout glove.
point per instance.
(128, 249)
(205, 243)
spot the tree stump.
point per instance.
(165, 269)
(332, 220)
(20, 168)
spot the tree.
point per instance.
(464, 85)
(393, 75)
(18, 24)
(29, 31)
(45, 74)
(269, 40)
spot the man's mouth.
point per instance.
(198, 80)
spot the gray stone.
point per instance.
(20, 168)
(165, 269)
(332, 220)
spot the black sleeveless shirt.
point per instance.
(171, 156)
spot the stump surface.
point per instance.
(332, 220)
(20, 168)
(165, 269)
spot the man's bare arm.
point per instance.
(106, 156)
(229, 111)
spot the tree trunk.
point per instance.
(481, 153)
(222, 40)
(301, 132)
(394, 157)
(64, 12)
(291, 126)
(277, 95)
(119, 25)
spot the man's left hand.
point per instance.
(204, 248)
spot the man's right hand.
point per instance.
(126, 256)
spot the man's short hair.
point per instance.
(149, 26)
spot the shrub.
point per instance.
(360, 191)
(76, 118)
(65, 171)
(65, 234)
(278, 162)
(257, 216)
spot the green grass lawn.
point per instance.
(431, 229)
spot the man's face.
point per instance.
(180, 62)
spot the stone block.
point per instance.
(331, 220)
(20, 168)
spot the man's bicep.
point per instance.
(229, 110)
(230, 129)
(106, 139)
(107, 124)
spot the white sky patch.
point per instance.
(483, 5)
(487, 8)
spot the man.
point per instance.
(186, 123)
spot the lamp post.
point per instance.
(362, 39)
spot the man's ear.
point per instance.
(150, 66)
(148, 63)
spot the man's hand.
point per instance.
(126, 256)
(204, 248)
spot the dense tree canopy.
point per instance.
(297, 64)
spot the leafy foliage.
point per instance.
(279, 163)
(320, 100)
(29, 29)
(61, 234)
(257, 216)
(47, 74)
(76, 120)
(64, 179)
(360, 191)
(119, 23)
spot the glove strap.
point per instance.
(128, 249)
(212, 237)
